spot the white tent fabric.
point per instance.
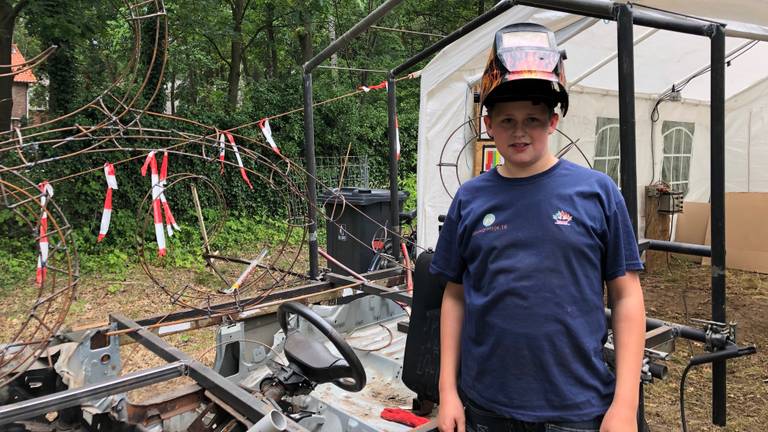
(662, 59)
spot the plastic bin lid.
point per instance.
(358, 196)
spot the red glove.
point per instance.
(403, 417)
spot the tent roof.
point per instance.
(662, 59)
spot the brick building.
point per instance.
(21, 85)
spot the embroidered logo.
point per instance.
(489, 219)
(562, 217)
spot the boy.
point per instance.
(527, 248)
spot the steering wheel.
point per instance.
(313, 358)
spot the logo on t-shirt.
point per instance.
(489, 219)
(562, 217)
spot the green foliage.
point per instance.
(96, 45)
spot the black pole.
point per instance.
(455, 35)
(604, 10)
(393, 184)
(350, 34)
(717, 188)
(626, 71)
(311, 167)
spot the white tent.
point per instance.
(662, 59)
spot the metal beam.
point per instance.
(455, 35)
(350, 34)
(74, 397)
(626, 70)
(717, 199)
(250, 406)
(394, 190)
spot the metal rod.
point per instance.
(717, 199)
(250, 406)
(199, 212)
(394, 198)
(626, 69)
(350, 34)
(677, 247)
(407, 31)
(39, 406)
(463, 30)
(311, 167)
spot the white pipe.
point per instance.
(274, 421)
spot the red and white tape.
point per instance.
(170, 221)
(243, 174)
(151, 162)
(106, 215)
(267, 132)
(379, 86)
(222, 149)
(46, 191)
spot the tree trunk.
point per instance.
(269, 12)
(305, 37)
(332, 38)
(7, 24)
(236, 53)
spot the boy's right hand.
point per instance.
(450, 415)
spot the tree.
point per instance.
(8, 14)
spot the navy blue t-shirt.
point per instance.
(533, 254)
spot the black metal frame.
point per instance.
(625, 16)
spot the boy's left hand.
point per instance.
(619, 419)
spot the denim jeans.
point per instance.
(480, 420)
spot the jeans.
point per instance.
(480, 420)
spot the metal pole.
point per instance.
(311, 167)
(463, 30)
(393, 183)
(347, 37)
(717, 188)
(626, 68)
(29, 409)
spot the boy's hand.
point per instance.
(450, 415)
(619, 419)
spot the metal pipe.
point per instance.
(595, 8)
(457, 34)
(677, 247)
(626, 69)
(69, 398)
(392, 133)
(233, 395)
(604, 10)
(311, 167)
(350, 34)
(717, 199)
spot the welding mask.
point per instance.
(525, 64)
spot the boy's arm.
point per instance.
(451, 414)
(628, 316)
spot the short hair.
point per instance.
(548, 104)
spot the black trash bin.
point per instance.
(348, 224)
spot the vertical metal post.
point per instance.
(717, 188)
(626, 71)
(311, 167)
(393, 183)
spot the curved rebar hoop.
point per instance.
(134, 89)
(35, 321)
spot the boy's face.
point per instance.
(521, 131)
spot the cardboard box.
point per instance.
(746, 235)
(692, 226)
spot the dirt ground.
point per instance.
(677, 293)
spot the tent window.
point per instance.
(607, 146)
(678, 145)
